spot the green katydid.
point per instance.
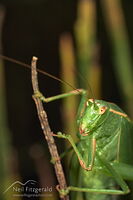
(97, 167)
(103, 129)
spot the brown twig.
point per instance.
(47, 131)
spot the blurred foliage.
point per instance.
(5, 139)
(121, 49)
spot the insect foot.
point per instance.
(39, 95)
(61, 135)
(62, 192)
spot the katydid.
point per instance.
(102, 159)
(104, 142)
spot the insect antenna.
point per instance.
(84, 79)
(39, 70)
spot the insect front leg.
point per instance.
(60, 96)
(82, 162)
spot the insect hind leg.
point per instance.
(115, 175)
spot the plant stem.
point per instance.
(47, 131)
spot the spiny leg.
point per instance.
(81, 160)
(82, 163)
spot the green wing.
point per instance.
(125, 166)
(126, 142)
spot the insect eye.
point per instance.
(102, 110)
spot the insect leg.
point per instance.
(125, 170)
(119, 180)
(96, 191)
(81, 160)
(62, 155)
(60, 96)
(115, 175)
